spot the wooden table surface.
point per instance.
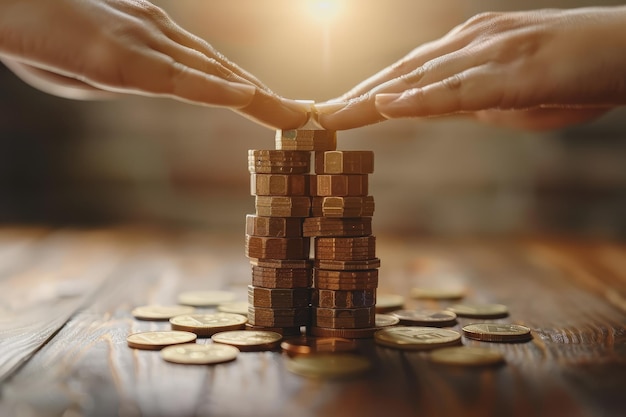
(65, 311)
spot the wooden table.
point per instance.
(66, 298)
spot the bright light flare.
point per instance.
(324, 10)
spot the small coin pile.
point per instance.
(330, 210)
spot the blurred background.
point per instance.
(161, 162)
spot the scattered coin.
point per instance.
(309, 345)
(159, 312)
(158, 340)
(438, 293)
(195, 354)
(205, 298)
(236, 307)
(328, 365)
(416, 338)
(208, 324)
(484, 311)
(467, 356)
(431, 318)
(386, 320)
(388, 302)
(497, 332)
(249, 340)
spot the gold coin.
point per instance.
(249, 340)
(159, 312)
(438, 293)
(328, 365)
(308, 345)
(236, 307)
(208, 324)
(195, 354)
(432, 318)
(416, 338)
(386, 320)
(497, 332)
(205, 298)
(388, 302)
(480, 310)
(467, 356)
(158, 340)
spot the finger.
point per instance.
(276, 112)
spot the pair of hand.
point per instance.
(538, 69)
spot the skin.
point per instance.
(539, 69)
(95, 49)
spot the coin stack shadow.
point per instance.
(345, 273)
(279, 297)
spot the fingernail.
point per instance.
(328, 108)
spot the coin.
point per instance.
(339, 185)
(273, 226)
(432, 318)
(285, 331)
(328, 365)
(416, 338)
(205, 298)
(438, 293)
(309, 345)
(467, 356)
(249, 340)
(344, 162)
(385, 320)
(382, 321)
(236, 307)
(480, 310)
(278, 297)
(388, 302)
(497, 332)
(208, 324)
(337, 226)
(195, 354)
(159, 312)
(278, 317)
(158, 340)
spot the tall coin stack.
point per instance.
(279, 297)
(345, 273)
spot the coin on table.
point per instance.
(386, 320)
(205, 298)
(497, 332)
(328, 365)
(249, 340)
(158, 340)
(484, 311)
(195, 354)
(416, 338)
(208, 324)
(236, 307)
(467, 356)
(304, 345)
(159, 312)
(388, 302)
(429, 318)
(437, 293)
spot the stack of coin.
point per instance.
(345, 274)
(279, 297)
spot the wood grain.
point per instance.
(76, 362)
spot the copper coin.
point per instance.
(434, 318)
(249, 340)
(309, 345)
(484, 311)
(497, 332)
(416, 338)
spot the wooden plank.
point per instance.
(574, 366)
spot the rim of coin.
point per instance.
(436, 293)
(196, 354)
(467, 356)
(249, 340)
(306, 345)
(205, 298)
(389, 302)
(285, 331)
(159, 339)
(157, 312)
(328, 365)
(235, 307)
(497, 332)
(493, 311)
(209, 323)
(416, 338)
(425, 317)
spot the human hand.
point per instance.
(538, 69)
(93, 49)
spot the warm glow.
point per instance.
(324, 10)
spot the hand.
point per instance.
(538, 69)
(92, 49)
